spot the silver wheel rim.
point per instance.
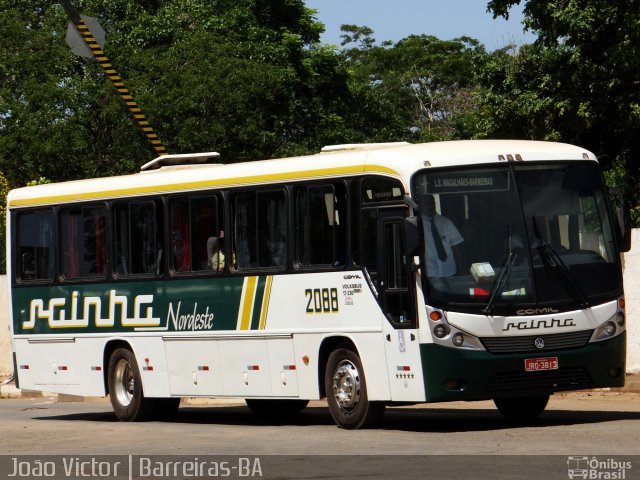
(346, 385)
(125, 383)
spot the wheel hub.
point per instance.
(346, 385)
(125, 383)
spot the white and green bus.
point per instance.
(289, 280)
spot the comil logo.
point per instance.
(593, 468)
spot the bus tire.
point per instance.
(346, 389)
(276, 407)
(125, 388)
(521, 409)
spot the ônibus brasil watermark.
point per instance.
(597, 468)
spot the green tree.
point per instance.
(247, 78)
(428, 82)
(579, 82)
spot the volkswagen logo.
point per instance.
(539, 343)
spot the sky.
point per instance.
(445, 19)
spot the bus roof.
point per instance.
(400, 160)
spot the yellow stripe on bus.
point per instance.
(210, 183)
(265, 303)
(249, 288)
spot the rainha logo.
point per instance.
(540, 323)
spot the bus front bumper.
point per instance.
(456, 374)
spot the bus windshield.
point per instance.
(501, 239)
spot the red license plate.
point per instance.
(537, 364)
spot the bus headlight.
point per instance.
(605, 331)
(440, 331)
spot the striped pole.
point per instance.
(115, 79)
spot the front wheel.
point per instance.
(522, 409)
(125, 387)
(346, 390)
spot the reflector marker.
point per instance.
(253, 367)
(203, 368)
(288, 367)
(96, 369)
(63, 368)
(24, 367)
(404, 368)
(147, 367)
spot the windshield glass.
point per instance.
(516, 235)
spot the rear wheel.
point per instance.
(125, 387)
(521, 409)
(346, 390)
(276, 408)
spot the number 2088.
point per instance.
(321, 300)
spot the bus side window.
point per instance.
(180, 234)
(138, 238)
(260, 229)
(83, 234)
(35, 246)
(193, 222)
(320, 213)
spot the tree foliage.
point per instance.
(247, 78)
(250, 79)
(579, 82)
(428, 82)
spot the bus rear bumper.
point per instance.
(455, 374)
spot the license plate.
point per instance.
(537, 364)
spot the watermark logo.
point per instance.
(594, 468)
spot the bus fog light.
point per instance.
(620, 319)
(614, 372)
(609, 329)
(439, 331)
(458, 339)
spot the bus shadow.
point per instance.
(444, 420)
(427, 420)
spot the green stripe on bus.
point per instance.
(257, 304)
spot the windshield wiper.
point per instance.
(501, 281)
(553, 261)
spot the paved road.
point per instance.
(600, 425)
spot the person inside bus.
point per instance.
(443, 241)
(215, 252)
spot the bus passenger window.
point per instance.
(260, 229)
(320, 214)
(35, 246)
(138, 246)
(193, 222)
(83, 235)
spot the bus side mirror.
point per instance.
(624, 227)
(622, 219)
(411, 235)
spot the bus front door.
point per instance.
(390, 271)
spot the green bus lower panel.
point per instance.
(456, 374)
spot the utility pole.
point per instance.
(83, 42)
